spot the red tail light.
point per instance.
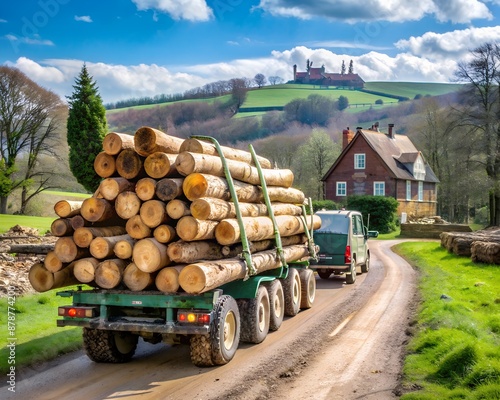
(77, 312)
(193, 317)
(347, 255)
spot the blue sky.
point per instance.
(136, 48)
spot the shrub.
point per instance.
(325, 205)
(379, 101)
(381, 211)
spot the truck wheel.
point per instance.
(291, 289)
(366, 266)
(308, 285)
(255, 315)
(219, 347)
(109, 346)
(277, 303)
(350, 278)
(324, 273)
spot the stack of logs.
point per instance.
(481, 246)
(162, 219)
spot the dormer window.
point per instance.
(419, 169)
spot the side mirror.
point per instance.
(373, 234)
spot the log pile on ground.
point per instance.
(163, 219)
(481, 246)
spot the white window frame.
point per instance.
(408, 190)
(420, 191)
(339, 192)
(359, 161)
(377, 186)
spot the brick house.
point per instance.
(318, 76)
(375, 163)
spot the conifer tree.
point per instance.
(87, 127)
(342, 69)
(351, 68)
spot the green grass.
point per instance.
(411, 89)
(37, 338)
(40, 223)
(455, 353)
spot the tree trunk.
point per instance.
(104, 165)
(150, 255)
(199, 146)
(153, 213)
(30, 248)
(165, 233)
(159, 165)
(204, 276)
(43, 280)
(129, 164)
(189, 163)
(123, 248)
(189, 229)
(135, 279)
(103, 247)
(149, 140)
(115, 142)
(109, 273)
(61, 227)
(188, 252)
(127, 204)
(67, 250)
(145, 188)
(85, 269)
(97, 210)
(169, 188)
(167, 280)
(110, 188)
(67, 208)
(52, 262)
(136, 228)
(84, 236)
(176, 209)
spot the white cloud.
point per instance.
(191, 10)
(44, 76)
(83, 18)
(3, 21)
(15, 40)
(376, 10)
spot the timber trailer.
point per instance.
(212, 323)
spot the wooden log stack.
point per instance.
(163, 219)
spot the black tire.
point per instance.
(366, 266)
(292, 291)
(277, 303)
(255, 315)
(219, 347)
(109, 346)
(308, 288)
(324, 273)
(350, 277)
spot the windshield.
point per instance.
(336, 223)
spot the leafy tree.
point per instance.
(260, 80)
(316, 109)
(275, 80)
(29, 118)
(239, 89)
(343, 103)
(381, 211)
(87, 127)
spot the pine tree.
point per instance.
(87, 127)
(351, 67)
(342, 69)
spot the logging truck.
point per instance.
(222, 301)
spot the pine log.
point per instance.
(176, 209)
(84, 236)
(261, 245)
(97, 210)
(136, 228)
(29, 248)
(110, 188)
(188, 252)
(261, 228)
(207, 275)
(43, 280)
(127, 204)
(217, 209)
(169, 188)
(103, 247)
(159, 165)
(115, 142)
(109, 273)
(130, 165)
(165, 233)
(167, 280)
(189, 228)
(153, 213)
(85, 269)
(135, 279)
(67, 208)
(123, 248)
(145, 189)
(150, 255)
(199, 146)
(189, 163)
(78, 221)
(149, 140)
(67, 250)
(61, 227)
(52, 262)
(105, 165)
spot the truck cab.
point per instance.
(343, 244)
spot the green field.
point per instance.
(411, 89)
(41, 223)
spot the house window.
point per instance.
(341, 188)
(419, 169)
(379, 188)
(420, 191)
(359, 161)
(408, 190)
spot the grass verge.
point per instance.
(455, 352)
(7, 221)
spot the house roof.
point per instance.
(315, 73)
(342, 77)
(394, 153)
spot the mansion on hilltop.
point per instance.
(318, 76)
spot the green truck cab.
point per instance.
(343, 244)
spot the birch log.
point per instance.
(115, 142)
(149, 140)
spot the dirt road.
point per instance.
(348, 346)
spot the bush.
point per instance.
(379, 101)
(325, 205)
(380, 210)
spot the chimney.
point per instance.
(391, 133)
(347, 136)
(295, 72)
